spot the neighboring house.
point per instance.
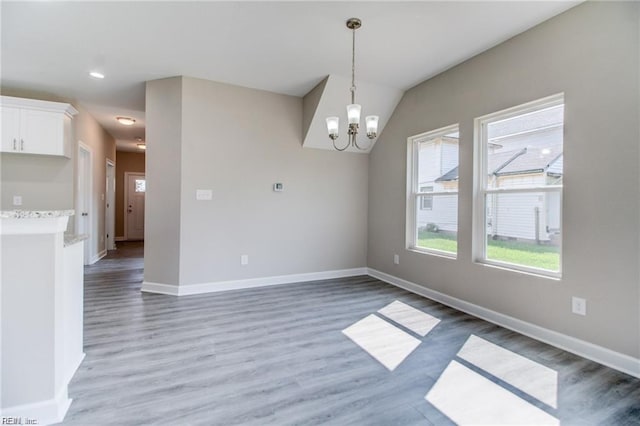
(438, 158)
(517, 161)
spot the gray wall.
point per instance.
(163, 174)
(238, 142)
(43, 182)
(591, 54)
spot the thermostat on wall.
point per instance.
(278, 187)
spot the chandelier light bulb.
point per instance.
(372, 126)
(353, 113)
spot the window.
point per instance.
(518, 210)
(427, 200)
(432, 192)
(140, 185)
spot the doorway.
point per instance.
(84, 215)
(110, 203)
(135, 189)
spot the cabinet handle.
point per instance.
(21, 144)
(15, 147)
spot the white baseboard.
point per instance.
(97, 257)
(73, 367)
(45, 412)
(169, 289)
(123, 238)
(184, 290)
(616, 360)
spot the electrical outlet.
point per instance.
(579, 306)
(396, 259)
(244, 259)
(17, 200)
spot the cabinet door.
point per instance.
(41, 132)
(10, 129)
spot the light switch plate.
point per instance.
(278, 187)
(17, 200)
(204, 194)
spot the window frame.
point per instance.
(414, 191)
(481, 190)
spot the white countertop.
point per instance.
(70, 239)
(34, 214)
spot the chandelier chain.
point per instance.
(353, 66)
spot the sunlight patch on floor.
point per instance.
(468, 398)
(417, 321)
(529, 376)
(383, 341)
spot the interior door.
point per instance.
(83, 220)
(136, 188)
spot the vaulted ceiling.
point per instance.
(284, 47)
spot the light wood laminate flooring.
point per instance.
(311, 353)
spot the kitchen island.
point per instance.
(41, 295)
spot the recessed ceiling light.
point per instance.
(142, 146)
(127, 121)
(546, 151)
(96, 74)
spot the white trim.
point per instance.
(434, 252)
(126, 197)
(413, 190)
(46, 412)
(121, 238)
(546, 188)
(91, 241)
(75, 365)
(184, 290)
(524, 109)
(110, 198)
(37, 104)
(522, 269)
(168, 289)
(480, 184)
(599, 354)
(97, 257)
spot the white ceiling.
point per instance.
(284, 47)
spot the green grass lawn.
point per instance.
(518, 253)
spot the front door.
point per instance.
(136, 188)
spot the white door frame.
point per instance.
(90, 242)
(110, 212)
(126, 197)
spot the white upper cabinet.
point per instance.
(36, 127)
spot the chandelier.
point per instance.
(353, 109)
